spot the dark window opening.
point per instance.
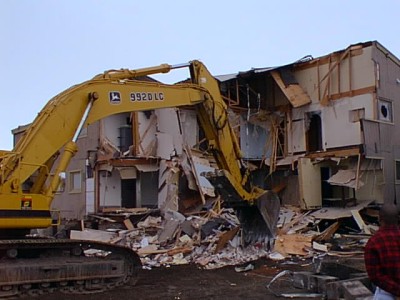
(314, 133)
(128, 193)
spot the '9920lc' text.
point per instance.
(141, 96)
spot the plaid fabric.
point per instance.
(382, 259)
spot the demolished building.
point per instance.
(319, 132)
(324, 126)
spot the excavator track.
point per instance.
(32, 267)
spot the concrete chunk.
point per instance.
(355, 290)
(301, 280)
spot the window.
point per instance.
(75, 181)
(385, 110)
(397, 170)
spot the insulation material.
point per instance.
(168, 124)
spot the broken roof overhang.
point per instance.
(283, 77)
(227, 77)
(292, 90)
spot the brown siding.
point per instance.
(372, 146)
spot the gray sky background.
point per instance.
(49, 45)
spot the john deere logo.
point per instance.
(115, 97)
(26, 204)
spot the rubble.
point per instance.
(213, 239)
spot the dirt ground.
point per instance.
(191, 282)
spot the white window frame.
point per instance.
(71, 181)
(387, 105)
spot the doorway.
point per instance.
(128, 193)
(314, 132)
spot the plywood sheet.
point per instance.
(293, 92)
(292, 244)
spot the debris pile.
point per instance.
(211, 241)
(214, 239)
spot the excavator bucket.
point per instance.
(259, 221)
(269, 207)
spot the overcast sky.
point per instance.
(47, 46)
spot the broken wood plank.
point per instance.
(128, 224)
(183, 250)
(360, 222)
(92, 235)
(292, 244)
(320, 247)
(293, 92)
(289, 225)
(328, 232)
(151, 249)
(225, 238)
(82, 225)
(103, 218)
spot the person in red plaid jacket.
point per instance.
(382, 255)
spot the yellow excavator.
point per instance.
(30, 176)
